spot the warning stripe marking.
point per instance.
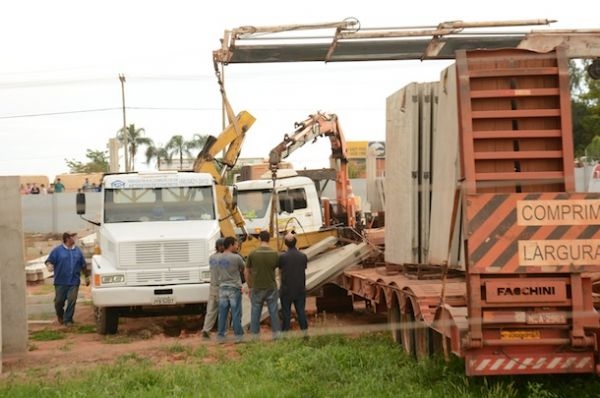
(493, 365)
(494, 232)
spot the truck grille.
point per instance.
(163, 254)
(163, 278)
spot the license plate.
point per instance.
(546, 318)
(163, 300)
(520, 335)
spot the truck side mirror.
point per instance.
(80, 203)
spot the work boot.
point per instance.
(60, 319)
(205, 334)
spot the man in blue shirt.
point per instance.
(67, 262)
(227, 272)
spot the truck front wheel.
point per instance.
(107, 320)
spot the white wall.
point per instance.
(55, 213)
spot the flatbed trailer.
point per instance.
(521, 300)
(496, 264)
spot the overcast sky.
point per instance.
(60, 92)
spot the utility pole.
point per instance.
(125, 134)
(113, 154)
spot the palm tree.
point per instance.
(177, 146)
(198, 141)
(135, 139)
(159, 152)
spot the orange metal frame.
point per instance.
(530, 241)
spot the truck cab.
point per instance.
(298, 204)
(156, 233)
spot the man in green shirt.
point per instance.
(260, 276)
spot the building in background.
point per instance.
(357, 152)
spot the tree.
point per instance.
(177, 146)
(592, 151)
(159, 152)
(198, 141)
(135, 138)
(585, 108)
(98, 163)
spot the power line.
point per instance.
(156, 108)
(151, 108)
(57, 113)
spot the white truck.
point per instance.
(156, 233)
(298, 204)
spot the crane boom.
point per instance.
(229, 142)
(309, 130)
(350, 42)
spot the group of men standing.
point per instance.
(228, 272)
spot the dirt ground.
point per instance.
(154, 338)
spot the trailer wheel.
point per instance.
(423, 340)
(407, 324)
(394, 322)
(437, 344)
(107, 320)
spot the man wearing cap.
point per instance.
(67, 262)
(212, 307)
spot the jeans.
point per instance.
(286, 312)
(257, 299)
(230, 298)
(68, 294)
(212, 308)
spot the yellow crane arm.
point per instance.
(229, 142)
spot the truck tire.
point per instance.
(423, 340)
(407, 331)
(107, 320)
(394, 322)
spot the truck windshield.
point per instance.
(158, 204)
(254, 203)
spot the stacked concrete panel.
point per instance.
(445, 226)
(375, 184)
(402, 127)
(422, 174)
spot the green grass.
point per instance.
(47, 335)
(324, 366)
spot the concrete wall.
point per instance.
(13, 317)
(56, 213)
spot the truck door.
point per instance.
(295, 211)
